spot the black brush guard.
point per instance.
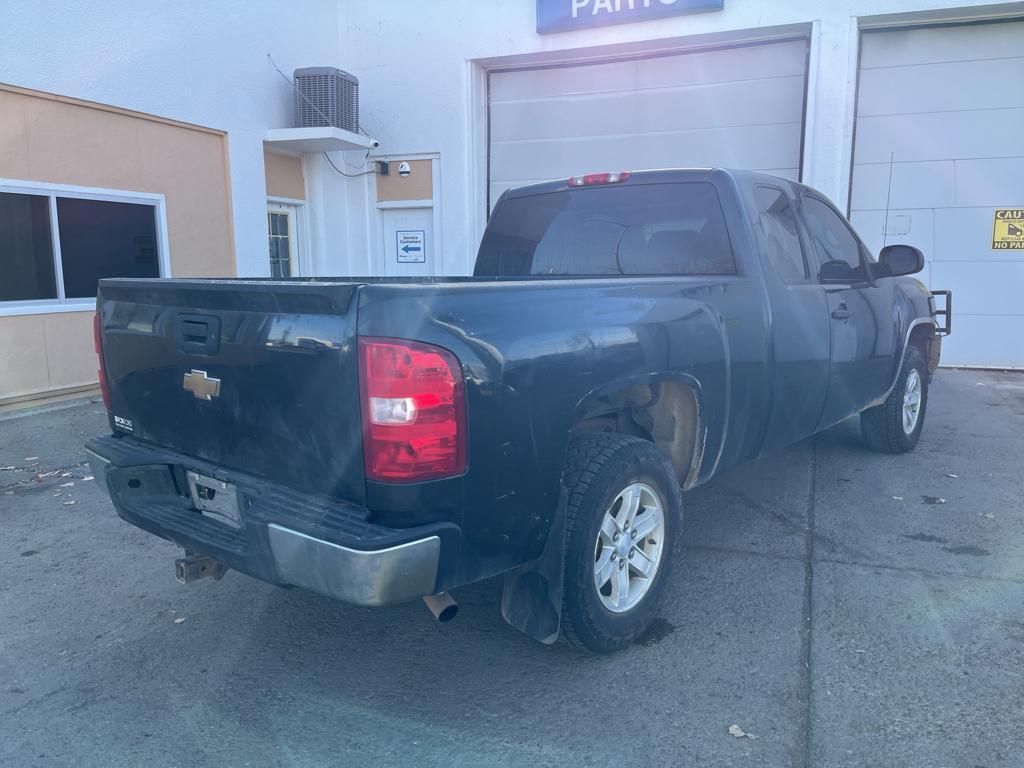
(945, 312)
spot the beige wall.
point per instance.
(40, 354)
(284, 176)
(418, 185)
(47, 138)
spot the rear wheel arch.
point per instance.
(665, 410)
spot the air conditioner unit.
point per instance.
(326, 96)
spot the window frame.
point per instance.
(52, 192)
(862, 251)
(801, 240)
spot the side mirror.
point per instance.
(898, 260)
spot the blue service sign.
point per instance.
(565, 15)
(411, 246)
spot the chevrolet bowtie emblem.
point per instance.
(201, 385)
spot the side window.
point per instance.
(780, 241)
(836, 248)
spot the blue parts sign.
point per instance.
(566, 15)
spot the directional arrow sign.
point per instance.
(411, 246)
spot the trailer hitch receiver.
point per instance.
(193, 567)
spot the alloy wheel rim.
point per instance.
(629, 547)
(911, 401)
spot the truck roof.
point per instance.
(648, 176)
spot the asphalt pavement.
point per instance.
(841, 607)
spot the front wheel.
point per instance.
(895, 425)
(623, 517)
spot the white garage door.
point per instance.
(946, 103)
(738, 107)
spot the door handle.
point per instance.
(841, 313)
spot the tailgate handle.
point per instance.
(194, 332)
(199, 334)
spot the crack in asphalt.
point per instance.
(740, 551)
(803, 757)
(854, 564)
(924, 571)
(782, 517)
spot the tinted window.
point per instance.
(835, 246)
(642, 229)
(26, 253)
(104, 239)
(780, 241)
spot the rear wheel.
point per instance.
(623, 516)
(895, 425)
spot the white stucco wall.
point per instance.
(421, 91)
(200, 62)
(422, 86)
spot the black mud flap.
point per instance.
(531, 600)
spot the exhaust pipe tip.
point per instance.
(443, 606)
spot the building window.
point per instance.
(26, 250)
(104, 239)
(281, 231)
(56, 243)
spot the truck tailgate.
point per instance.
(257, 376)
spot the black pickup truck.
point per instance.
(625, 337)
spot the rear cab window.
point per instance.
(637, 229)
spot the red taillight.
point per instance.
(97, 335)
(589, 179)
(414, 416)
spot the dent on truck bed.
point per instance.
(532, 382)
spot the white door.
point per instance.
(282, 232)
(408, 242)
(945, 104)
(733, 107)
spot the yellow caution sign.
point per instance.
(1008, 229)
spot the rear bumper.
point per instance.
(365, 577)
(285, 537)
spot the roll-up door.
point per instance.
(739, 107)
(946, 106)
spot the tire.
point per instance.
(602, 471)
(883, 426)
